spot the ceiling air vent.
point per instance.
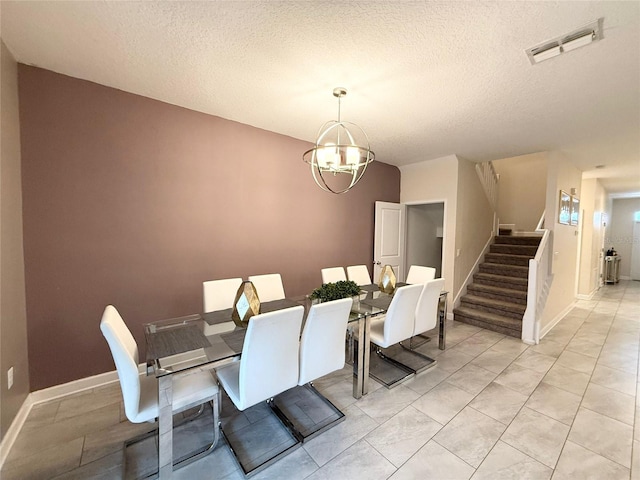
(576, 39)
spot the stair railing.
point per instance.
(540, 278)
(540, 225)
(489, 180)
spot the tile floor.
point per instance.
(493, 408)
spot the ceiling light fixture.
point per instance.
(341, 148)
(578, 38)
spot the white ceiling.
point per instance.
(424, 79)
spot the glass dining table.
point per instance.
(204, 341)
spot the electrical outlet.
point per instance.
(10, 378)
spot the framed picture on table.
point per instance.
(575, 210)
(564, 208)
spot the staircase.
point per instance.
(497, 298)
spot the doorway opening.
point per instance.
(424, 227)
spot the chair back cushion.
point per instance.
(269, 287)
(322, 341)
(419, 274)
(400, 317)
(333, 274)
(124, 351)
(269, 362)
(427, 309)
(220, 294)
(359, 274)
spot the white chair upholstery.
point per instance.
(269, 286)
(359, 274)
(322, 341)
(220, 294)
(333, 274)
(397, 325)
(419, 274)
(269, 362)
(140, 394)
(427, 309)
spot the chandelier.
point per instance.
(340, 155)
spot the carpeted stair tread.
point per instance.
(498, 293)
(487, 318)
(528, 250)
(498, 307)
(495, 305)
(517, 240)
(504, 269)
(507, 259)
(482, 277)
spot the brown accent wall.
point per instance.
(134, 202)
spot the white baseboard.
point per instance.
(581, 296)
(63, 390)
(556, 319)
(14, 429)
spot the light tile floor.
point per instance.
(493, 408)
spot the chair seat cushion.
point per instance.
(188, 391)
(229, 377)
(377, 331)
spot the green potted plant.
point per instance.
(335, 291)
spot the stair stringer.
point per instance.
(475, 269)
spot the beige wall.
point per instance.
(522, 190)
(436, 181)
(592, 219)
(562, 175)
(474, 221)
(13, 322)
(620, 235)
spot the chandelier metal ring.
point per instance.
(340, 148)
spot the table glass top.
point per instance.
(214, 338)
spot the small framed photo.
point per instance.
(575, 210)
(564, 208)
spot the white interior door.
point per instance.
(388, 245)
(635, 251)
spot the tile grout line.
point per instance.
(587, 387)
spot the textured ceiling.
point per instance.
(424, 79)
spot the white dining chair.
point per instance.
(269, 365)
(269, 286)
(322, 340)
(269, 361)
(220, 294)
(426, 318)
(359, 274)
(333, 274)
(140, 393)
(321, 353)
(427, 313)
(396, 326)
(420, 274)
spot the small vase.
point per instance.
(387, 282)
(246, 304)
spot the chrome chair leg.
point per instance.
(192, 456)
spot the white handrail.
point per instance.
(540, 225)
(489, 179)
(540, 278)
